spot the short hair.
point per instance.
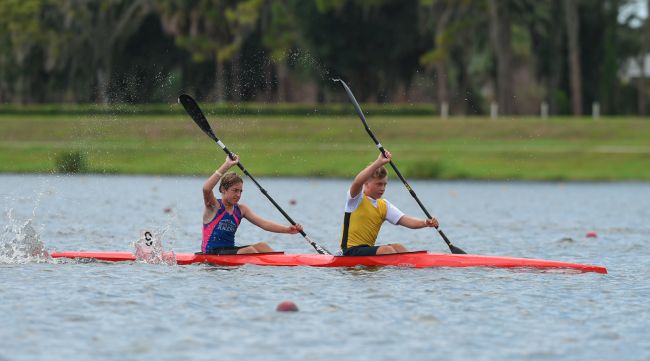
(228, 180)
(379, 173)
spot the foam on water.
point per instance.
(20, 243)
(149, 249)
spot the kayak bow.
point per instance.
(413, 259)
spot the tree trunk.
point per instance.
(555, 63)
(442, 65)
(441, 82)
(220, 82)
(573, 35)
(645, 46)
(500, 33)
(640, 84)
(283, 94)
(467, 104)
(102, 86)
(268, 95)
(235, 80)
(20, 89)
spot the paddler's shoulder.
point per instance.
(242, 208)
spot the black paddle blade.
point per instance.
(320, 249)
(354, 101)
(456, 250)
(452, 248)
(192, 108)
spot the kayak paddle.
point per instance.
(192, 108)
(452, 248)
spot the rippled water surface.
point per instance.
(61, 310)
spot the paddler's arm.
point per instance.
(417, 223)
(266, 224)
(366, 173)
(208, 196)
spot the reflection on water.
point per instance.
(360, 270)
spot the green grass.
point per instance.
(334, 146)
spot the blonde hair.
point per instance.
(380, 173)
(228, 180)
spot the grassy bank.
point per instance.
(334, 146)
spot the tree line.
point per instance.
(464, 53)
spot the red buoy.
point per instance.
(591, 234)
(286, 306)
(292, 202)
(167, 210)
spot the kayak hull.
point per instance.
(413, 260)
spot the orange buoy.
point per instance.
(286, 306)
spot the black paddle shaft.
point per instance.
(452, 248)
(192, 108)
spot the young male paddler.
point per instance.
(366, 211)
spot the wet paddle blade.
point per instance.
(192, 108)
(456, 250)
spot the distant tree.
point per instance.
(154, 69)
(645, 52)
(554, 58)
(501, 38)
(632, 48)
(101, 29)
(72, 50)
(440, 14)
(243, 18)
(280, 37)
(573, 34)
(459, 50)
(22, 38)
(373, 44)
(613, 56)
(545, 49)
(213, 29)
(200, 27)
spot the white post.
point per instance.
(444, 110)
(494, 110)
(595, 110)
(544, 110)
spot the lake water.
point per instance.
(61, 310)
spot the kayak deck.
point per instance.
(412, 259)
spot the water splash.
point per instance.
(306, 61)
(149, 249)
(20, 243)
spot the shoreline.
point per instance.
(392, 177)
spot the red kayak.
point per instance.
(420, 259)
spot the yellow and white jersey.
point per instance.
(363, 219)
